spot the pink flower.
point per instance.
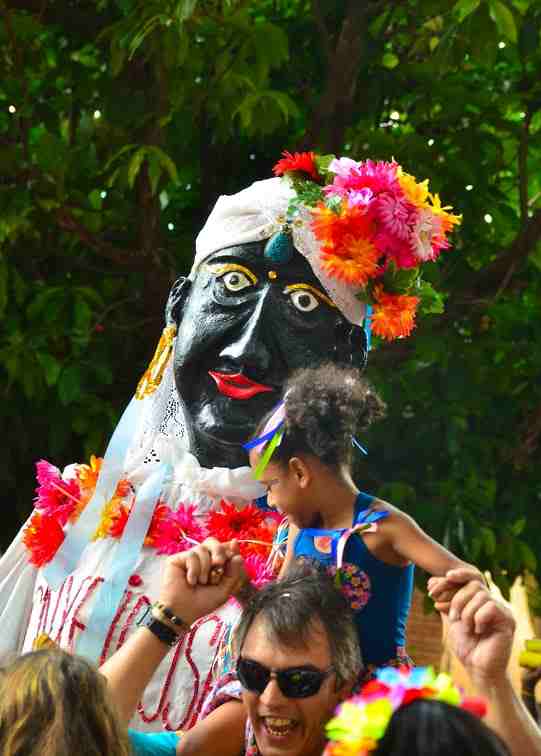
(257, 570)
(178, 531)
(395, 214)
(352, 178)
(55, 496)
(398, 250)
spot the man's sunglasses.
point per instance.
(294, 682)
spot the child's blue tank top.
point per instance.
(379, 593)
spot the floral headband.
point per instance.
(376, 226)
(362, 721)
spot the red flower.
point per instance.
(42, 537)
(161, 511)
(298, 161)
(234, 523)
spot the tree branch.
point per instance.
(333, 113)
(68, 222)
(323, 31)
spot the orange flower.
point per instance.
(88, 474)
(355, 262)
(331, 228)
(161, 511)
(113, 519)
(304, 162)
(393, 315)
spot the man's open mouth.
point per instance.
(237, 385)
(279, 727)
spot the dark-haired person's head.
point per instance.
(298, 656)
(324, 409)
(55, 704)
(434, 728)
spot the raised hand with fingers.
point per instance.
(190, 588)
(481, 629)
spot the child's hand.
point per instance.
(441, 590)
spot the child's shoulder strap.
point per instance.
(364, 510)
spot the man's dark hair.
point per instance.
(292, 609)
(425, 727)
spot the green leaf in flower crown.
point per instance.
(431, 300)
(322, 163)
(307, 192)
(399, 280)
(334, 203)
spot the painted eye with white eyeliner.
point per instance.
(304, 300)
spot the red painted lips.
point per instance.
(237, 385)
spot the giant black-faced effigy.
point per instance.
(287, 273)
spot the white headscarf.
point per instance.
(255, 214)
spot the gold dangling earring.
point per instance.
(152, 377)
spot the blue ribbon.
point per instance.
(354, 442)
(120, 567)
(266, 437)
(78, 537)
(368, 326)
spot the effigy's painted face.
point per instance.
(243, 325)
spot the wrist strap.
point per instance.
(164, 611)
(161, 630)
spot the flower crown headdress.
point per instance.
(362, 721)
(376, 226)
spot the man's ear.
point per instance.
(345, 690)
(301, 471)
(350, 345)
(175, 302)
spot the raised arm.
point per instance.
(411, 543)
(187, 591)
(481, 634)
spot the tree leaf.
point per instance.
(463, 8)
(70, 384)
(51, 367)
(390, 60)
(504, 19)
(135, 165)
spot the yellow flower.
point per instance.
(416, 193)
(448, 220)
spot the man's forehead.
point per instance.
(253, 255)
(261, 644)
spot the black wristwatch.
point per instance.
(162, 631)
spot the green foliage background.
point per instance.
(121, 122)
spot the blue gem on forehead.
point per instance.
(279, 249)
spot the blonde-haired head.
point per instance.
(57, 704)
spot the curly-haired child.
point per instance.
(302, 453)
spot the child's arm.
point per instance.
(290, 550)
(411, 543)
(222, 731)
